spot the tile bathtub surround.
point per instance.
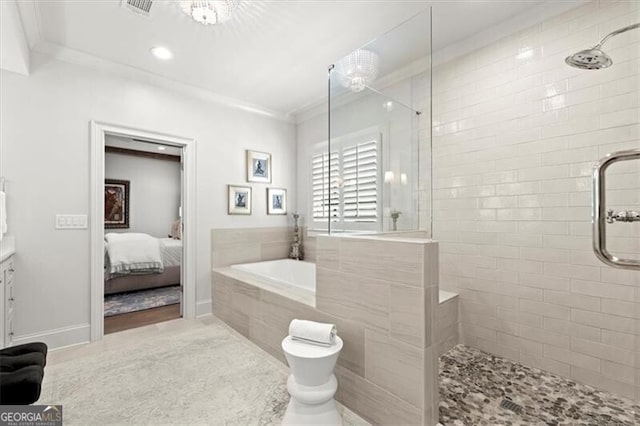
(381, 294)
(309, 244)
(516, 133)
(245, 245)
(310, 237)
(474, 383)
(405, 234)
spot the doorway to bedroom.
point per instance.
(100, 132)
(142, 233)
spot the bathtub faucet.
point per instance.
(296, 248)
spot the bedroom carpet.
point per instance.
(182, 372)
(133, 301)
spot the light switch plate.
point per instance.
(71, 221)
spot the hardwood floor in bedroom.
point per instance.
(137, 319)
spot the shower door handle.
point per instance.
(601, 216)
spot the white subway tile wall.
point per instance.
(515, 135)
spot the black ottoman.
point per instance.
(25, 349)
(15, 362)
(22, 386)
(21, 373)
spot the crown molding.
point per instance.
(65, 54)
(311, 110)
(14, 46)
(31, 21)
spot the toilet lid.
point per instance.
(308, 350)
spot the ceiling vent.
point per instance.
(142, 7)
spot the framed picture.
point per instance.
(276, 201)
(258, 167)
(239, 199)
(116, 203)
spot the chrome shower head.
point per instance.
(594, 58)
(589, 59)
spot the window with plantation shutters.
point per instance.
(346, 188)
(360, 182)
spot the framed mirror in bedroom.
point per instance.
(116, 203)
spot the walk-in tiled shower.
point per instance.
(489, 148)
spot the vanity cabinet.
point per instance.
(7, 300)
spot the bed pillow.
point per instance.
(176, 230)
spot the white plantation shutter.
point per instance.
(325, 197)
(318, 186)
(334, 187)
(346, 189)
(360, 177)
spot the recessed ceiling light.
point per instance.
(161, 52)
(161, 148)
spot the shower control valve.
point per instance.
(623, 216)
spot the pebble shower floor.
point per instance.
(474, 384)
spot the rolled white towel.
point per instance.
(317, 333)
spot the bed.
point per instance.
(135, 261)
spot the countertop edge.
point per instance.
(7, 248)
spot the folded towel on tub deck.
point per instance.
(317, 333)
(133, 253)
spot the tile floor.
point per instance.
(181, 372)
(474, 383)
(203, 372)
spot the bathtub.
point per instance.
(287, 271)
(291, 278)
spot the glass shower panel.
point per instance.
(374, 169)
(379, 151)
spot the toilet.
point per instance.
(312, 383)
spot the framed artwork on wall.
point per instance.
(276, 201)
(116, 203)
(239, 199)
(258, 167)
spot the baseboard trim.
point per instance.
(204, 308)
(58, 337)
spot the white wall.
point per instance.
(154, 191)
(309, 133)
(45, 157)
(516, 133)
(14, 49)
